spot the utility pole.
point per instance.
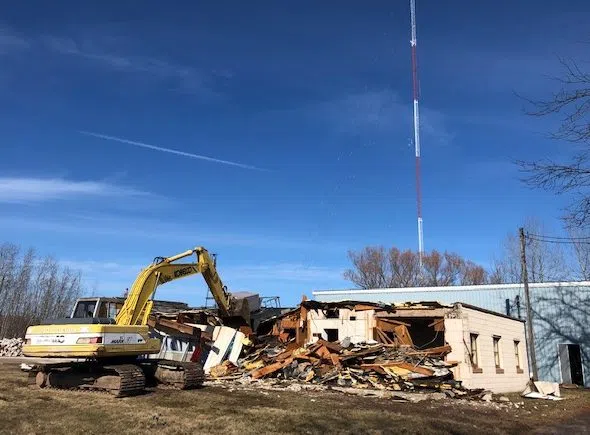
(529, 310)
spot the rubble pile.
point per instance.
(384, 350)
(11, 347)
(362, 365)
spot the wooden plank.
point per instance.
(438, 324)
(313, 347)
(378, 369)
(403, 365)
(283, 356)
(305, 330)
(394, 321)
(362, 353)
(335, 359)
(390, 341)
(416, 369)
(385, 326)
(323, 352)
(289, 323)
(162, 323)
(275, 329)
(363, 307)
(403, 335)
(292, 346)
(333, 347)
(431, 324)
(377, 336)
(271, 368)
(381, 364)
(383, 336)
(432, 351)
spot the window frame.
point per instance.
(497, 350)
(474, 352)
(518, 356)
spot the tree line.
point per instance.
(380, 267)
(377, 267)
(32, 289)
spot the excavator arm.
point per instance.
(137, 306)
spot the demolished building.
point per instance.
(560, 312)
(391, 346)
(487, 349)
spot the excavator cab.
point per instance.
(97, 307)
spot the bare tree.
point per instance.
(572, 102)
(441, 269)
(545, 261)
(580, 243)
(473, 274)
(33, 289)
(374, 267)
(370, 268)
(405, 268)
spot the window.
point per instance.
(85, 309)
(474, 353)
(331, 334)
(102, 309)
(352, 318)
(497, 356)
(332, 313)
(113, 310)
(517, 356)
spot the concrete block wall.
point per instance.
(359, 329)
(454, 334)
(457, 334)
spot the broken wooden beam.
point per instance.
(271, 368)
(334, 347)
(402, 365)
(438, 351)
(172, 327)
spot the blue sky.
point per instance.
(302, 111)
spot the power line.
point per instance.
(557, 237)
(559, 241)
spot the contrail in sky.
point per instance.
(171, 151)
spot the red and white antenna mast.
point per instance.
(416, 129)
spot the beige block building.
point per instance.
(490, 348)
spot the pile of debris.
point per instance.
(362, 365)
(355, 347)
(11, 347)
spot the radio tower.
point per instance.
(416, 129)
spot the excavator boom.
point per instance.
(137, 306)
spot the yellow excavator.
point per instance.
(113, 354)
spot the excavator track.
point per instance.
(179, 375)
(120, 380)
(131, 380)
(194, 375)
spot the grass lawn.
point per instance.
(215, 410)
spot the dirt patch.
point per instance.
(27, 409)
